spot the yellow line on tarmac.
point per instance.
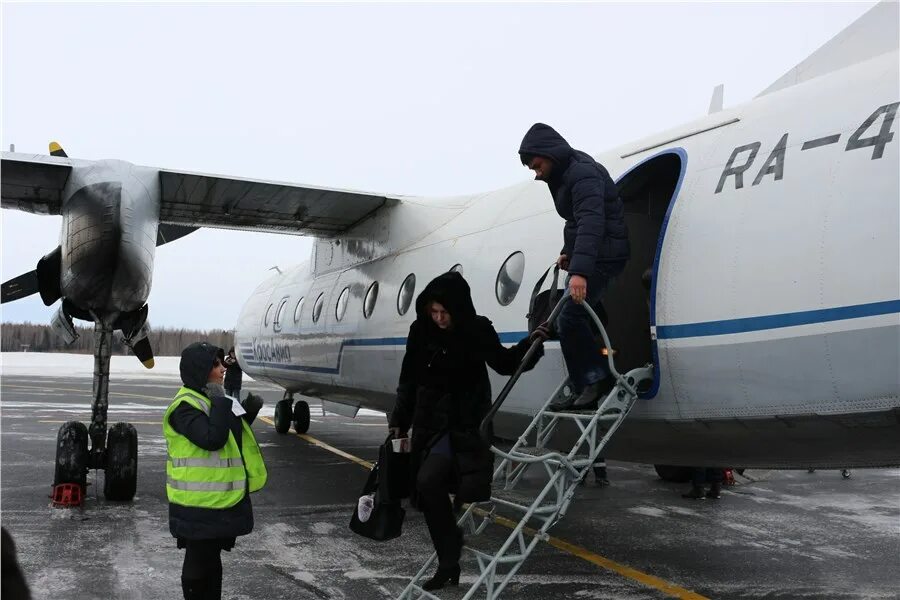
(662, 585)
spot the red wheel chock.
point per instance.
(67, 495)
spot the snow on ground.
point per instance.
(52, 364)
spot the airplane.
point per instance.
(769, 230)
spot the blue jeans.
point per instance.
(576, 339)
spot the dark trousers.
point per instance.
(433, 485)
(576, 337)
(201, 573)
(702, 475)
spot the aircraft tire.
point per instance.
(120, 478)
(283, 416)
(72, 456)
(673, 474)
(301, 416)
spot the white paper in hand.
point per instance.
(236, 407)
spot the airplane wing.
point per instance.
(33, 183)
(199, 200)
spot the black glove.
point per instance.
(541, 332)
(252, 403)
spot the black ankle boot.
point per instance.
(441, 578)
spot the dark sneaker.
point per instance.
(588, 398)
(696, 493)
(561, 405)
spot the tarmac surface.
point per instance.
(777, 534)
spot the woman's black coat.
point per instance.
(444, 385)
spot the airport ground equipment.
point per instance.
(535, 513)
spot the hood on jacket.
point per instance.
(452, 291)
(543, 140)
(197, 361)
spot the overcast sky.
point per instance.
(402, 98)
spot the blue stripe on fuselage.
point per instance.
(703, 329)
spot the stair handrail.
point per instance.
(484, 430)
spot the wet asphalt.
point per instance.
(774, 535)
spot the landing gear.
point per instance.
(301, 416)
(117, 455)
(120, 482)
(283, 415)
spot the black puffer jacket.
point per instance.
(586, 197)
(444, 385)
(209, 433)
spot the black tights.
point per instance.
(433, 484)
(201, 573)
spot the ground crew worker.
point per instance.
(213, 463)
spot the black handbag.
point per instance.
(542, 303)
(386, 520)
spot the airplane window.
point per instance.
(371, 297)
(510, 278)
(341, 307)
(279, 313)
(404, 298)
(268, 313)
(317, 307)
(298, 310)
(457, 268)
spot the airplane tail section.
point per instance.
(876, 32)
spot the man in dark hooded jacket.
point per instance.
(444, 393)
(595, 249)
(202, 428)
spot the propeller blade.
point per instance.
(144, 352)
(57, 150)
(19, 287)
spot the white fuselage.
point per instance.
(774, 322)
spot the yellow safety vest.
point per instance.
(200, 478)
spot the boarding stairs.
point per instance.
(534, 512)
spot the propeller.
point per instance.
(57, 150)
(24, 285)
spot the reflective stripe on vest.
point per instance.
(205, 486)
(206, 462)
(200, 478)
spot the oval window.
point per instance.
(510, 278)
(297, 310)
(317, 307)
(279, 314)
(341, 307)
(457, 268)
(371, 297)
(404, 298)
(268, 314)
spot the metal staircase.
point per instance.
(533, 514)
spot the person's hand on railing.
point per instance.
(541, 332)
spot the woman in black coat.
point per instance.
(444, 393)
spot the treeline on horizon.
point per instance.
(19, 337)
